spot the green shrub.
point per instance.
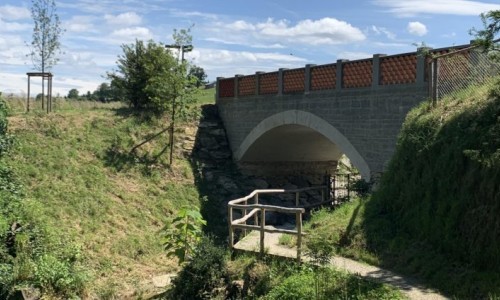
(296, 287)
(335, 285)
(203, 275)
(59, 277)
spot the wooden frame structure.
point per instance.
(45, 76)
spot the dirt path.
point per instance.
(408, 286)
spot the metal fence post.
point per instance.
(434, 81)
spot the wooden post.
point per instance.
(231, 233)
(262, 225)
(349, 187)
(28, 100)
(244, 214)
(256, 216)
(298, 220)
(49, 96)
(334, 187)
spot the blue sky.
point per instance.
(231, 37)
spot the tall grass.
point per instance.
(435, 213)
(85, 184)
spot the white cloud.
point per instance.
(353, 55)
(80, 24)
(132, 33)
(124, 19)
(281, 33)
(417, 28)
(382, 30)
(241, 25)
(11, 13)
(410, 8)
(187, 14)
(12, 51)
(215, 61)
(14, 26)
(326, 31)
(257, 46)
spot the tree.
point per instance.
(73, 94)
(486, 36)
(103, 92)
(46, 33)
(147, 76)
(88, 96)
(199, 74)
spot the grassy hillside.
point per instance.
(435, 214)
(86, 190)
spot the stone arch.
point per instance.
(312, 121)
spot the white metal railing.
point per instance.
(251, 208)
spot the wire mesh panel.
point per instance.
(459, 71)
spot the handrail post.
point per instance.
(262, 225)
(256, 216)
(349, 187)
(297, 197)
(244, 214)
(298, 221)
(231, 232)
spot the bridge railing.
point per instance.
(459, 70)
(380, 70)
(445, 70)
(254, 211)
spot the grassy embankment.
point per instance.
(435, 214)
(90, 211)
(84, 187)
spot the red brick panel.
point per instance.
(268, 83)
(398, 69)
(293, 81)
(226, 88)
(246, 86)
(323, 77)
(357, 74)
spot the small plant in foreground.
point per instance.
(183, 235)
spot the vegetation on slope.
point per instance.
(91, 212)
(95, 200)
(435, 214)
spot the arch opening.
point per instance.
(300, 138)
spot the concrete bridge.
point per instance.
(302, 120)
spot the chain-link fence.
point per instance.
(458, 71)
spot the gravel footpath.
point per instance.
(408, 286)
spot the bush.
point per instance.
(296, 287)
(203, 275)
(334, 285)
